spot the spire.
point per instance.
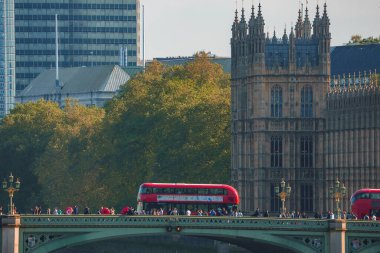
(316, 24)
(252, 21)
(260, 21)
(291, 33)
(285, 37)
(317, 13)
(274, 39)
(325, 22)
(299, 25)
(307, 25)
(235, 25)
(242, 15)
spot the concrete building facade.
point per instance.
(283, 124)
(91, 33)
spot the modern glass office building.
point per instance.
(91, 33)
(7, 57)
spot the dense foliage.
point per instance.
(357, 39)
(169, 124)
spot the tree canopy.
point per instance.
(357, 39)
(168, 124)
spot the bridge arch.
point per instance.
(266, 237)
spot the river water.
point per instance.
(157, 244)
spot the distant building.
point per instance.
(225, 62)
(91, 33)
(289, 121)
(132, 71)
(355, 58)
(7, 57)
(91, 86)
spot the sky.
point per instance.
(182, 27)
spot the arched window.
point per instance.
(307, 102)
(276, 152)
(306, 152)
(276, 102)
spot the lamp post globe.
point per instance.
(282, 192)
(11, 187)
(337, 192)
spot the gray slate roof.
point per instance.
(355, 58)
(78, 80)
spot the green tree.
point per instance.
(170, 124)
(68, 171)
(25, 134)
(357, 39)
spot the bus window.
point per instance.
(190, 191)
(218, 191)
(145, 190)
(375, 195)
(203, 191)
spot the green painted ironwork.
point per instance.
(47, 233)
(42, 233)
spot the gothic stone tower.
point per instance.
(278, 101)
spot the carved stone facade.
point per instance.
(285, 123)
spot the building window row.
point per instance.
(276, 152)
(276, 102)
(75, 41)
(75, 6)
(76, 17)
(77, 29)
(26, 75)
(306, 102)
(75, 52)
(45, 64)
(306, 152)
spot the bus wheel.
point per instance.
(178, 229)
(169, 228)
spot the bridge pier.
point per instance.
(10, 234)
(337, 236)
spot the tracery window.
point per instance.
(306, 152)
(276, 102)
(276, 152)
(306, 102)
(306, 198)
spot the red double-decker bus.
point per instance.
(186, 197)
(366, 202)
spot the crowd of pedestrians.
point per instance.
(220, 211)
(317, 215)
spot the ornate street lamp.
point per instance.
(337, 192)
(285, 192)
(11, 187)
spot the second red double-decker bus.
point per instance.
(366, 202)
(186, 197)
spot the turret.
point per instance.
(259, 40)
(306, 25)
(252, 23)
(299, 26)
(242, 27)
(251, 36)
(316, 25)
(285, 37)
(325, 24)
(234, 42)
(274, 39)
(324, 42)
(292, 50)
